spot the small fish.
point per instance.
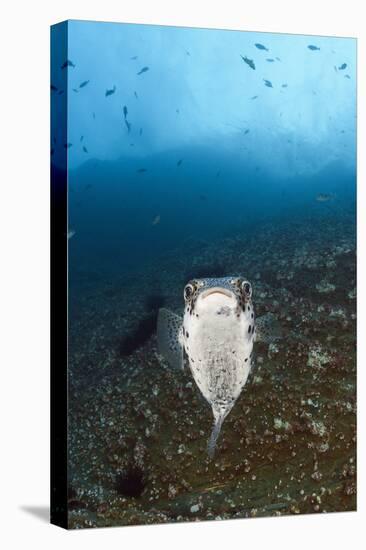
(342, 67)
(216, 334)
(313, 48)
(347, 76)
(141, 170)
(53, 88)
(177, 111)
(52, 151)
(70, 233)
(284, 86)
(75, 90)
(277, 58)
(156, 220)
(254, 97)
(246, 132)
(249, 62)
(143, 70)
(85, 83)
(134, 57)
(261, 47)
(335, 68)
(67, 63)
(60, 92)
(218, 173)
(94, 116)
(135, 94)
(140, 133)
(128, 124)
(179, 162)
(324, 197)
(88, 186)
(67, 145)
(270, 60)
(111, 91)
(267, 83)
(85, 149)
(81, 138)
(203, 197)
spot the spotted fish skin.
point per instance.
(217, 336)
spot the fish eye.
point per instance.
(247, 288)
(188, 291)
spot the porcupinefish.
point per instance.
(216, 335)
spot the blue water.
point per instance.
(244, 160)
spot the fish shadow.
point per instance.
(139, 335)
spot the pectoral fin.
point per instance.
(169, 336)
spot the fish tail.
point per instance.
(214, 435)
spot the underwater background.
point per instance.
(207, 153)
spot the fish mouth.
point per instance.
(216, 290)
